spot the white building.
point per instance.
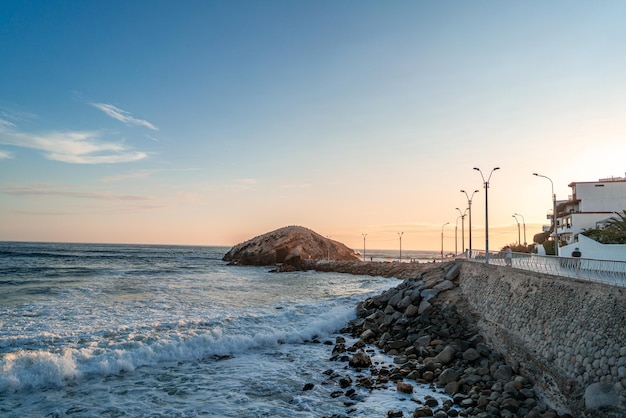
(591, 205)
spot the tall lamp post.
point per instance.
(486, 184)
(442, 239)
(462, 227)
(364, 235)
(469, 206)
(456, 235)
(556, 242)
(518, 232)
(400, 235)
(328, 249)
(523, 223)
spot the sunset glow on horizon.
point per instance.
(209, 123)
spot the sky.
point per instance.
(211, 122)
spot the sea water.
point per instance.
(92, 330)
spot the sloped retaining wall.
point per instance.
(568, 334)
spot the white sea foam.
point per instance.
(125, 352)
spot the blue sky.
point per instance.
(209, 122)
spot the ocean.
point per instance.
(95, 330)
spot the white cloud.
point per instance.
(6, 124)
(5, 155)
(76, 147)
(123, 116)
(142, 174)
(47, 190)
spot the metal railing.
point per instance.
(600, 271)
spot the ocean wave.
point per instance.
(24, 369)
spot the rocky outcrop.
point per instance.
(291, 245)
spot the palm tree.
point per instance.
(613, 233)
(617, 223)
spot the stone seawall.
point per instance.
(570, 335)
(567, 336)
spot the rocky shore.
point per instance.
(425, 325)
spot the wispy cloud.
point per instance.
(188, 197)
(294, 186)
(8, 117)
(126, 176)
(5, 155)
(247, 181)
(63, 192)
(123, 116)
(76, 147)
(141, 174)
(6, 124)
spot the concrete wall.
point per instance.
(569, 333)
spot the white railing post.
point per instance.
(603, 271)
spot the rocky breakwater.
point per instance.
(427, 327)
(370, 268)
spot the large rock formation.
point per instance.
(291, 244)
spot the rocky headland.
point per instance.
(291, 245)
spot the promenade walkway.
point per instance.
(599, 271)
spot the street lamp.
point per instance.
(518, 233)
(469, 206)
(442, 239)
(523, 223)
(486, 184)
(364, 235)
(328, 248)
(400, 235)
(462, 228)
(456, 235)
(556, 243)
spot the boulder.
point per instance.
(423, 411)
(368, 335)
(600, 395)
(424, 306)
(411, 311)
(443, 286)
(471, 354)
(448, 376)
(360, 360)
(290, 245)
(404, 387)
(446, 355)
(504, 373)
